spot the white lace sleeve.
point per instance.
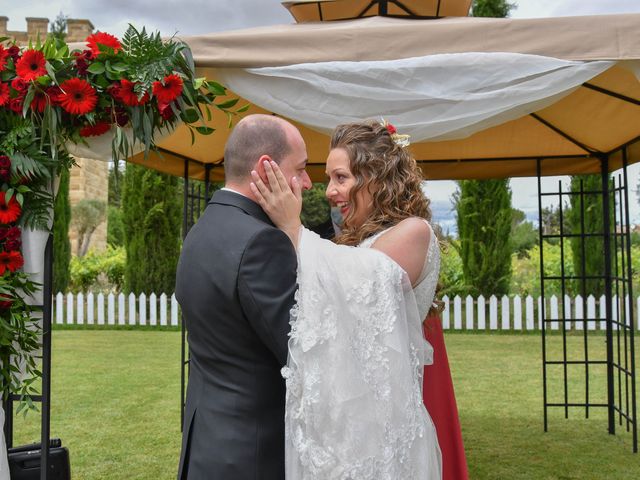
(354, 400)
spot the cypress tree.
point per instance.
(594, 257)
(151, 214)
(484, 219)
(61, 243)
(483, 212)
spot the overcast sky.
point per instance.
(201, 16)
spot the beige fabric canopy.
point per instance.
(599, 118)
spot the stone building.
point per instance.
(89, 179)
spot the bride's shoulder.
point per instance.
(410, 231)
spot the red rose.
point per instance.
(14, 233)
(5, 162)
(15, 104)
(12, 245)
(5, 174)
(14, 52)
(19, 85)
(54, 94)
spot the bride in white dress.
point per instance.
(354, 406)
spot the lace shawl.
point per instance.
(354, 405)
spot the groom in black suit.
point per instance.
(235, 283)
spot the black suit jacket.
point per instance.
(235, 283)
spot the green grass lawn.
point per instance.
(116, 406)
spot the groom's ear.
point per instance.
(259, 168)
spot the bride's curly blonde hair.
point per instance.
(387, 171)
(392, 177)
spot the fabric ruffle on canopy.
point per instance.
(435, 97)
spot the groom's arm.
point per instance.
(267, 285)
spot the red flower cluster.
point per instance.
(82, 61)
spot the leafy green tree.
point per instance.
(86, 216)
(59, 27)
(315, 207)
(152, 217)
(61, 243)
(593, 223)
(524, 235)
(492, 8)
(484, 218)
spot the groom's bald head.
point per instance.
(255, 136)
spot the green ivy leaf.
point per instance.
(189, 116)
(96, 68)
(205, 130)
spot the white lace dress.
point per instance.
(354, 407)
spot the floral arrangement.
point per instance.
(52, 97)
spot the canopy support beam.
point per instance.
(563, 134)
(611, 93)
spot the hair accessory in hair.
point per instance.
(398, 139)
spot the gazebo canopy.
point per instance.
(570, 130)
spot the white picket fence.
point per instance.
(153, 310)
(509, 313)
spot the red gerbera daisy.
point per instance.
(3, 58)
(128, 96)
(9, 212)
(100, 38)
(4, 92)
(95, 130)
(31, 65)
(78, 96)
(171, 89)
(11, 261)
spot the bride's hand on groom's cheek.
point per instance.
(278, 200)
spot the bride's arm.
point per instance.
(283, 203)
(407, 244)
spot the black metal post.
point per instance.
(7, 406)
(183, 331)
(47, 295)
(564, 305)
(583, 290)
(543, 303)
(631, 312)
(604, 172)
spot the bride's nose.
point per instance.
(331, 191)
